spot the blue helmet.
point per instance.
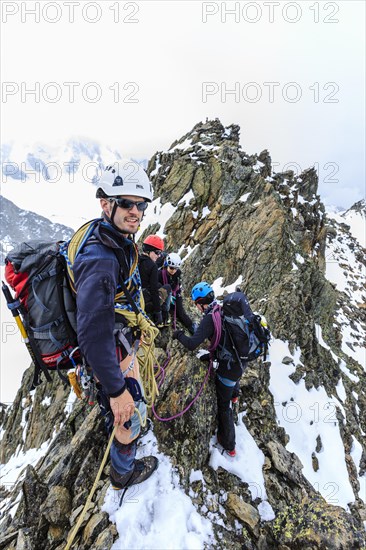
(203, 293)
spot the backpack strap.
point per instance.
(123, 263)
(164, 276)
(233, 346)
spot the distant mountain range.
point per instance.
(17, 225)
(77, 154)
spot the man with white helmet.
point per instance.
(105, 267)
(170, 274)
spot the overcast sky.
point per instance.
(295, 70)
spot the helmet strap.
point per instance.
(110, 219)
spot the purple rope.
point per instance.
(190, 404)
(161, 375)
(216, 317)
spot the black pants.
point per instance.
(226, 428)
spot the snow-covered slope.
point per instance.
(346, 269)
(354, 217)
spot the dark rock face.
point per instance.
(242, 222)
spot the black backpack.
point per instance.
(245, 335)
(45, 304)
(36, 271)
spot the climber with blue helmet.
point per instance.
(226, 389)
(170, 274)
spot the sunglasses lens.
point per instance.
(127, 204)
(141, 206)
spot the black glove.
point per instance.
(176, 333)
(205, 358)
(158, 319)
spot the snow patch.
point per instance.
(205, 212)
(46, 402)
(244, 197)
(305, 415)
(186, 144)
(219, 289)
(157, 514)
(247, 465)
(356, 454)
(184, 201)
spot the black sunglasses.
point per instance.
(157, 252)
(127, 204)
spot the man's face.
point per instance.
(126, 219)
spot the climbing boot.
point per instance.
(231, 452)
(143, 469)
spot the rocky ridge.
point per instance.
(235, 222)
(18, 225)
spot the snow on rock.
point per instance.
(189, 249)
(70, 402)
(10, 472)
(244, 197)
(247, 465)
(354, 217)
(157, 514)
(156, 169)
(306, 415)
(319, 335)
(341, 390)
(353, 339)
(348, 373)
(184, 201)
(156, 211)
(343, 265)
(219, 289)
(205, 212)
(186, 144)
(356, 454)
(46, 402)
(196, 475)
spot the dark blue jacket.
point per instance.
(97, 274)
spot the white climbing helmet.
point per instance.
(124, 177)
(173, 260)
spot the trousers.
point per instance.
(226, 427)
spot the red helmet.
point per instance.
(155, 242)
